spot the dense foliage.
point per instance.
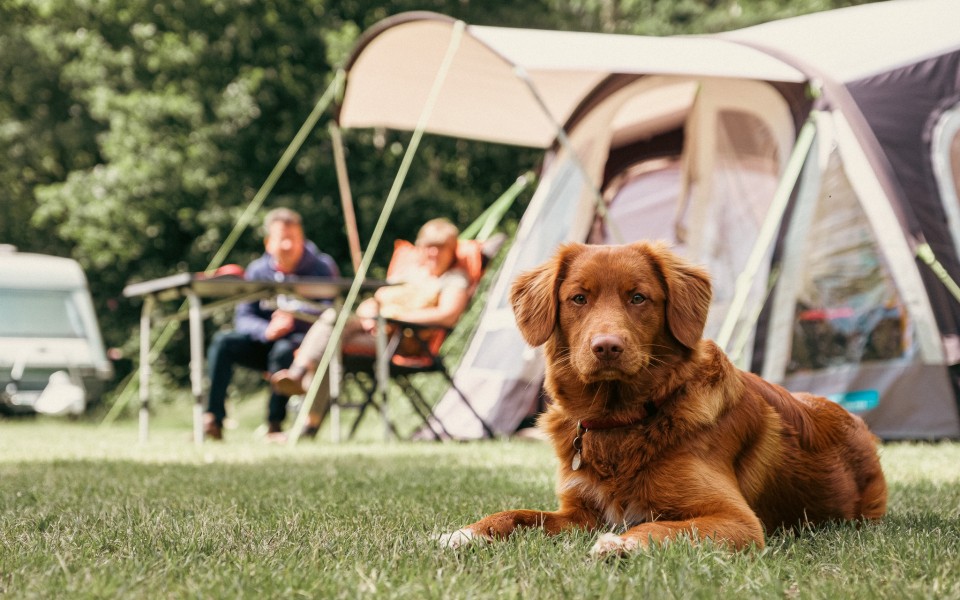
(136, 131)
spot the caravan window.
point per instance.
(848, 310)
(39, 313)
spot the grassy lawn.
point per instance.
(88, 512)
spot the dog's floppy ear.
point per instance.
(534, 297)
(688, 295)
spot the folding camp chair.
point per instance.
(411, 349)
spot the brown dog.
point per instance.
(656, 431)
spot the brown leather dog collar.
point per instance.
(650, 408)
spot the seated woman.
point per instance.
(430, 292)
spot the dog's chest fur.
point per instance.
(616, 478)
(618, 467)
(615, 508)
(632, 474)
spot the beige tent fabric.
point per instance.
(487, 94)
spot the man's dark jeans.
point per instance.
(230, 348)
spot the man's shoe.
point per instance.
(212, 429)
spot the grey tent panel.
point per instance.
(932, 415)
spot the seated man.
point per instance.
(431, 292)
(265, 337)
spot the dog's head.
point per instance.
(617, 310)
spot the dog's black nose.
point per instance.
(607, 346)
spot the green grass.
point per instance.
(87, 512)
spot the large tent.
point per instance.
(812, 164)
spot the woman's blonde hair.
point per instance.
(437, 232)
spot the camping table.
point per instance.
(227, 291)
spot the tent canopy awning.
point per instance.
(485, 96)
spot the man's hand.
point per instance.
(281, 323)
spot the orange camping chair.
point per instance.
(412, 349)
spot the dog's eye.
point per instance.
(638, 299)
(579, 299)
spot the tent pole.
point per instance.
(345, 311)
(768, 231)
(925, 253)
(687, 165)
(736, 352)
(346, 197)
(564, 140)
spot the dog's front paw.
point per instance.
(611, 544)
(459, 538)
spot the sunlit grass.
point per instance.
(88, 512)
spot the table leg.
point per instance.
(383, 373)
(145, 327)
(196, 364)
